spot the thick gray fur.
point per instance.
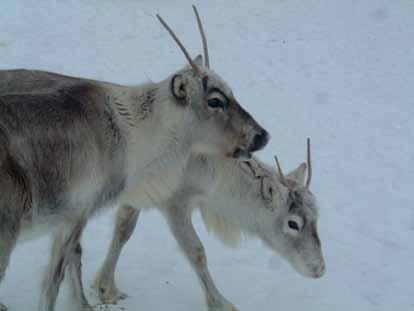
(71, 146)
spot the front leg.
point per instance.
(104, 284)
(179, 219)
(64, 250)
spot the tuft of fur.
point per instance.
(230, 233)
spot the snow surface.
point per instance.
(340, 72)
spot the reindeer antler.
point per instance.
(282, 177)
(309, 177)
(203, 38)
(186, 54)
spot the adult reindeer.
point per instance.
(234, 198)
(70, 146)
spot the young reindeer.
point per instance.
(70, 146)
(234, 198)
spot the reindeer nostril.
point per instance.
(259, 141)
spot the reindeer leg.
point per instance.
(63, 250)
(8, 238)
(75, 273)
(179, 219)
(104, 283)
(15, 198)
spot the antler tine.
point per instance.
(309, 177)
(203, 37)
(282, 177)
(195, 67)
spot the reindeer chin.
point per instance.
(241, 154)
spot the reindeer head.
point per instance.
(222, 125)
(292, 228)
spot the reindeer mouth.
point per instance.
(241, 154)
(259, 141)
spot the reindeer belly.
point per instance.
(73, 199)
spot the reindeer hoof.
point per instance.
(111, 295)
(222, 306)
(87, 308)
(107, 292)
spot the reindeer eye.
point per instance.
(216, 103)
(293, 225)
(216, 99)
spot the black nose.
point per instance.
(259, 141)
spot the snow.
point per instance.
(340, 72)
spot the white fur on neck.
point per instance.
(164, 134)
(235, 207)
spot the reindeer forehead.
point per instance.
(303, 202)
(213, 80)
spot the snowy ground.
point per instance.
(340, 72)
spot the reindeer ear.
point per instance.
(198, 60)
(178, 87)
(298, 174)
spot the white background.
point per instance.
(340, 72)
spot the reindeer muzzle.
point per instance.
(259, 141)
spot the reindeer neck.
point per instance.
(157, 139)
(238, 190)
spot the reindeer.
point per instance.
(71, 146)
(234, 198)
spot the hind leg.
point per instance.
(8, 237)
(75, 275)
(15, 199)
(104, 284)
(63, 250)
